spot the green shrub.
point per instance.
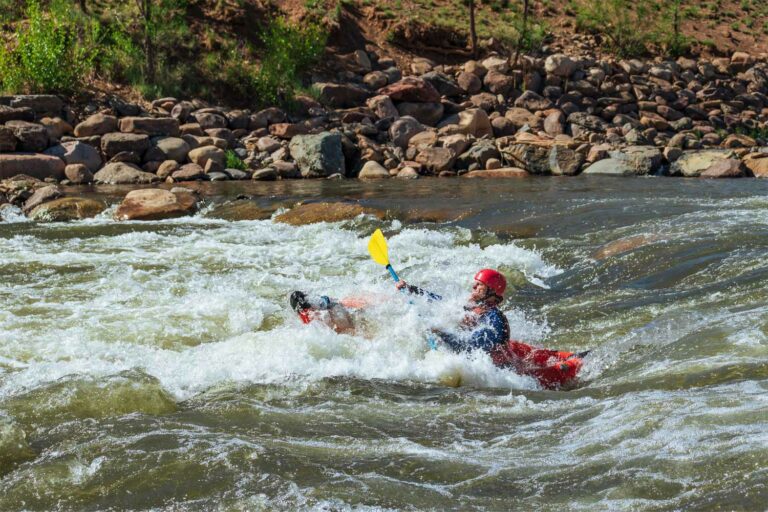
(233, 161)
(48, 57)
(288, 51)
(626, 26)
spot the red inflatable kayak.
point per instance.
(552, 368)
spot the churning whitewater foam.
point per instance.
(198, 302)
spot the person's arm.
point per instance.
(415, 290)
(452, 341)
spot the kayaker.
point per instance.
(331, 312)
(484, 326)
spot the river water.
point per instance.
(157, 366)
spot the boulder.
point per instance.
(373, 171)
(182, 110)
(36, 165)
(495, 63)
(32, 137)
(426, 113)
(507, 172)
(120, 173)
(582, 124)
(383, 107)
(240, 209)
(411, 89)
(7, 139)
(457, 143)
(150, 125)
(209, 120)
(76, 152)
(469, 82)
(288, 130)
(114, 143)
(560, 65)
(318, 156)
(727, 168)
(266, 174)
(503, 127)
(499, 83)
(693, 163)
(325, 212)
(475, 68)
(533, 102)
(342, 95)
(564, 161)
(266, 117)
(40, 103)
(57, 127)
(97, 124)
(443, 84)
(167, 168)
(78, 174)
(757, 163)
(436, 160)
(554, 124)
(40, 196)
(375, 79)
(475, 122)
(403, 129)
(408, 173)
(201, 155)
(16, 114)
(533, 157)
(67, 209)
(284, 170)
(641, 160)
(155, 204)
(478, 155)
(736, 140)
(189, 172)
(485, 101)
(610, 167)
(168, 148)
(521, 117)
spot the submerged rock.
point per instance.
(508, 172)
(240, 210)
(325, 212)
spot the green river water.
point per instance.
(157, 366)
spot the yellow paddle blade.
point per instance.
(377, 246)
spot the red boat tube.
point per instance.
(552, 368)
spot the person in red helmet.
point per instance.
(484, 327)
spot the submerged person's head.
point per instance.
(489, 286)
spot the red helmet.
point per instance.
(493, 280)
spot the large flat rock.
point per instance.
(37, 165)
(155, 204)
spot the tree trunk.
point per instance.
(145, 12)
(472, 31)
(523, 32)
(83, 7)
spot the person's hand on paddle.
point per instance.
(400, 284)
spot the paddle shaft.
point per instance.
(393, 273)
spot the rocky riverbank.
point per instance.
(557, 115)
